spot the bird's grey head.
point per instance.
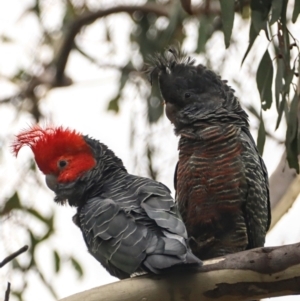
(193, 93)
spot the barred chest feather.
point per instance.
(210, 176)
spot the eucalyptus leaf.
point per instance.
(252, 37)
(56, 261)
(47, 221)
(186, 5)
(261, 136)
(12, 203)
(253, 111)
(113, 104)
(264, 78)
(279, 81)
(227, 15)
(276, 10)
(281, 110)
(77, 267)
(288, 77)
(292, 134)
(257, 20)
(204, 33)
(296, 11)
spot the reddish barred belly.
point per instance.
(209, 179)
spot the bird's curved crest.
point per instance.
(166, 62)
(29, 137)
(36, 135)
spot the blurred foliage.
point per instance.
(14, 206)
(156, 25)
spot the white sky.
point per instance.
(83, 107)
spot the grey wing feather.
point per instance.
(128, 242)
(113, 237)
(257, 206)
(160, 206)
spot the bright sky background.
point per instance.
(83, 107)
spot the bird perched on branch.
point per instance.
(130, 224)
(221, 180)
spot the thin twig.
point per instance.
(7, 292)
(12, 256)
(88, 18)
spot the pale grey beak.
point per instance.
(51, 181)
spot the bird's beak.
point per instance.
(171, 111)
(51, 181)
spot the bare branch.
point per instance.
(286, 202)
(248, 275)
(284, 182)
(7, 292)
(280, 181)
(13, 256)
(74, 28)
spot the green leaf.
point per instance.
(261, 136)
(38, 216)
(46, 283)
(155, 108)
(286, 49)
(204, 33)
(17, 294)
(16, 265)
(252, 36)
(56, 261)
(279, 81)
(264, 78)
(292, 134)
(241, 5)
(77, 266)
(34, 8)
(296, 11)
(227, 15)
(186, 5)
(280, 110)
(154, 103)
(113, 104)
(85, 54)
(34, 241)
(107, 33)
(246, 12)
(174, 28)
(276, 10)
(288, 77)
(5, 39)
(12, 203)
(253, 111)
(50, 230)
(259, 18)
(261, 6)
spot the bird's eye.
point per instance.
(62, 163)
(187, 95)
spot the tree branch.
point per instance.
(286, 201)
(13, 256)
(248, 275)
(7, 292)
(284, 182)
(74, 28)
